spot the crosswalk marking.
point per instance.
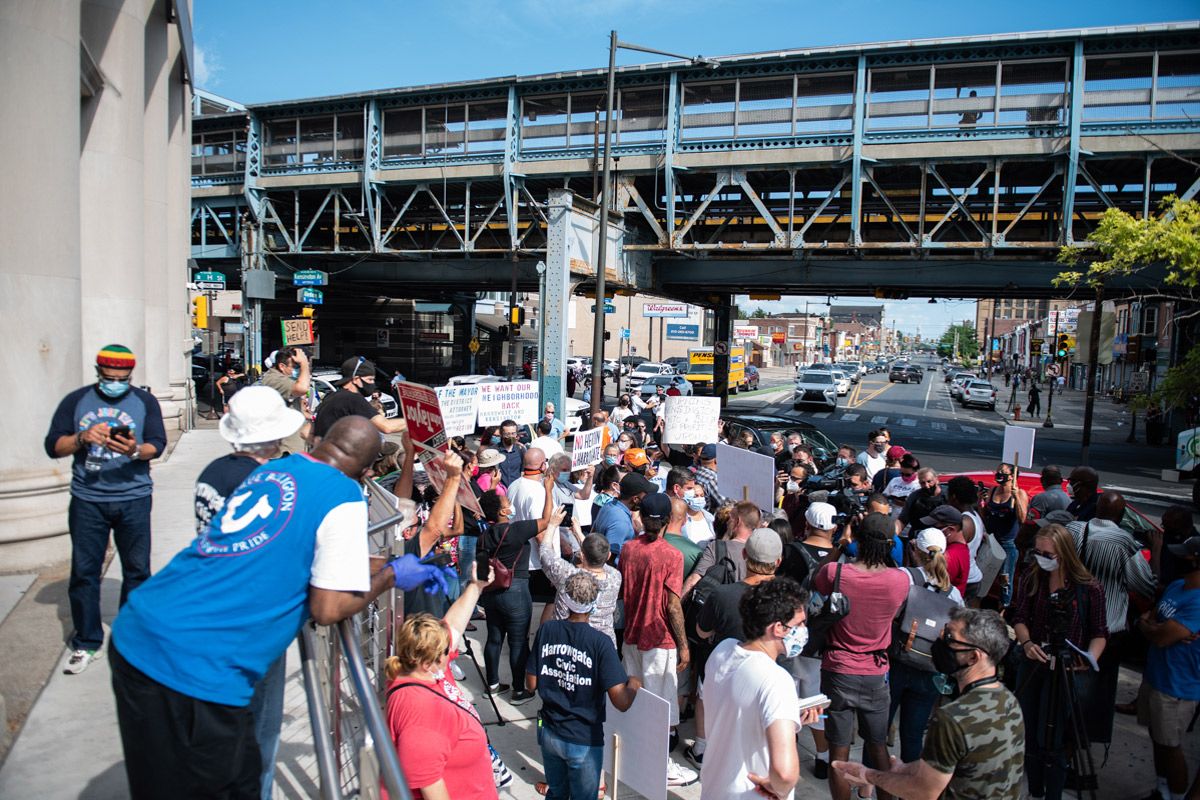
(878, 420)
(968, 429)
(822, 415)
(908, 423)
(938, 426)
(849, 417)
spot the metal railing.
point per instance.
(344, 681)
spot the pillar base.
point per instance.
(33, 520)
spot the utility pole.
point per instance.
(1093, 366)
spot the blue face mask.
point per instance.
(610, 460)
(843, 462)
(114, 389)
(694, 502)
(794, 640)
(295, 373)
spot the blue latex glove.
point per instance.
(411, 574)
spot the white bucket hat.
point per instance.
(257, 414)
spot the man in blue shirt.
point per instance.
(111, 430)
(556, 424)
(615, 520)
(193, 641)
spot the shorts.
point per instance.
(862, 697)
(656, 670)
(972, 591)
(1166, 716)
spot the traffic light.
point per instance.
(1063, 346)
(607, 335)
(307, 312)
(516, 316)
(200, 311)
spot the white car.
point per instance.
(323, 384)
(816, 387)
(650, 386)
(470, 380)
(956, 385)
(854, 369)
(979, 393)
(573, 414)
(842, 381)
(650, 369)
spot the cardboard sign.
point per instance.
(431, 460)
(691, 420)
(460, 407)
(296, 332)
(586, 449)
(745, 475)
(423, 415)
(1018, 446)
(517, 400)
(640, 735)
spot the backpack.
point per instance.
(829, 612)
(919, 624)
(722, 572)
(815, 599)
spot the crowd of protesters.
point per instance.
(975, 623)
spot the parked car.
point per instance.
(842, 381)
(751, 377)
(899, 373)
(815, 386)
(646, 370)
(761, 426)
(323, 384)
(854, 370)
(679, 363)
(915, 373)
(960, 380)
(468, 380)
(650, 387)
(979, 393)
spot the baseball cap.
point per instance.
(1058, 517)
(636, 457)
(1188, 548)
(258, 414)
(708, 452)
(489, 457)
(656, 506)
(820, 515)
(942, 516)
(876, 526)
(896, 451)
(356, 366)
(931, 537)
(764, 546)
(632, 484)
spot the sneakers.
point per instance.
(821, 769)
(497, 688)
(500, 773)
(680, 776)
(79, 661)
(457, 671)
(520, 696)
(691, 755)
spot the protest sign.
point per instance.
(691, 420)
(517, 400)
(746, 475)
(435, 468)
(635, 745)
(423, 415)
(586, 450)
(1018, 446)
(460, 406)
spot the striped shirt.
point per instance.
(1114, 557)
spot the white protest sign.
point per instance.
(517, 401)
(1018, 446)
(586, 449)
(641, 736)
(460, 406)
(745, 475)
(691, 420)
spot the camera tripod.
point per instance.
(1062, 708)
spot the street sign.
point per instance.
(609, 308)
(682, 332)
(1139, 381)
(625, 333)
(721, 348)
(312, 297)
(309, 277)
(211, 286)
(209, 277)
(473, 345)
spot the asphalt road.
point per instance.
(923, 418)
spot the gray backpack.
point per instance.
(924, 614)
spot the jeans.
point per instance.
(89, 524)
(1046, 749)
(914, 695)
(572, 770)
(466, 557)
(508, 614)
(1009, 569)
(267, 709)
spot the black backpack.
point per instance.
(830, 611)
(924, 614)
(722, 572)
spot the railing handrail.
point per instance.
(318, 715)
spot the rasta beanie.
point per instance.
(115, 356)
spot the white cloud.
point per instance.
(208, 68)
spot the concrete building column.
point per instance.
(39, 267)
(178, 227)
(111, 183)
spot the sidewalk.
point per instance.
(1110, 422)
(69, 746)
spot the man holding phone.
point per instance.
(111, 430)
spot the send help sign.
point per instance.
(423, 415)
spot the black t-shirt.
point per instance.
(575, 665)
(342, 403)
(920, 504)
(796, 566)
(419, 600)
(217, 482)
(678, 458)
(514, 552)
(720, 613)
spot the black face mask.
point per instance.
(945, 659)
(1001, 477)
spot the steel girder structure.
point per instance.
(968, 152)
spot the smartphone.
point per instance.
(482, 565)
(567, 516)
(122, 431)
(437, 559)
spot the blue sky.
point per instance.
(278, 49)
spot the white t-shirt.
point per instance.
(744, 692)
(528, 498)
(620, 414)
(549, 446)
(872, 463)
(975, 575)
(699, 530)
(898, 487)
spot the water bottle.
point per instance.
(94, 460)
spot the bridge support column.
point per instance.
(556, 294)
(722, 335)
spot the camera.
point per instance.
(1059, 619)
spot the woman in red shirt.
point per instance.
(438, 735)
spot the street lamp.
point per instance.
(614, 44)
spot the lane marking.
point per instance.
(927, 391)
(849, 417)
(878, 420)
(969, 429)
(908, 423)
(822, 415)
(938, 426)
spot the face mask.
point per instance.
(548, 416)
(945, 659)
(622, 446)
(694, 503)
(792, 486)
(1001, 477)
(114, 389)
(908, 478)
(610, 460)
(794, 640)
(1048, 564)
(843, 462)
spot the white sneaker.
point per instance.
(457, 671)
(679, 775)
(79, 661)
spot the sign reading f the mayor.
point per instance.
(423, 415)
(664, 310)
(517, 401)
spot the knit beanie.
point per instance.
(115, 356)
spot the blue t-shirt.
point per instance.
(615, 521)
(575, 665)
(227, 606)
(897, 550)
(120, 477)
(1175, 670)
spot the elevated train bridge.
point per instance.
(955, 167)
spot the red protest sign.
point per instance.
(431, 460)
(423, 415)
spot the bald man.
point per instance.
(1085, 485)
(193, 640)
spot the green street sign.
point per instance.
(310, 277)
(209, 277)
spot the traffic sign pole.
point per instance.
(1049, 423)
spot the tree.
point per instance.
(758, 314)
(968, 343)
(1123, 245)
(1178, 389)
